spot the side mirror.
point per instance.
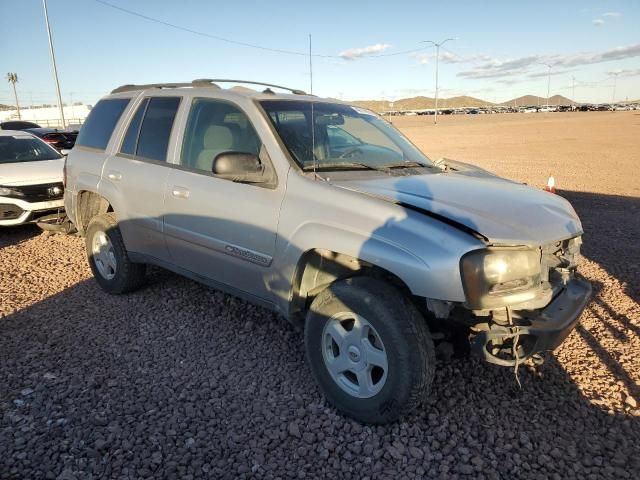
(238, 167)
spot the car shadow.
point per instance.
(15, 235)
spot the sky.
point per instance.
(361, 49)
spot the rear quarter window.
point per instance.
(97, 129)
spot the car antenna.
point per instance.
(313, 123)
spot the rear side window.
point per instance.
(155, 130)
(130, 141)
(98, 127)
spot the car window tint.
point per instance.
(215, 127)
(155, 130)
(131, 137)
(98, 127)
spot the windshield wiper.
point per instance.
(345, 166)
(406, 164)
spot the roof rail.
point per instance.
(201, 82)
(130, 87)
(208, 81)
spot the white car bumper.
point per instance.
(15, 212)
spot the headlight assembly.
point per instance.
(496, 277)
(10, 192)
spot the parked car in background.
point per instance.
(17, 125)
(61, 140)
(328, 215)
(31, 175)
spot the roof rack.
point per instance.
(202, 82)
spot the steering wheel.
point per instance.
(350, 151)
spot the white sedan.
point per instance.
(30, 178)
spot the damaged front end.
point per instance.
(511, 334)
(521, 301)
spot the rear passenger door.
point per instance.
(138, 173)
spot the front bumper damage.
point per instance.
(533, 331)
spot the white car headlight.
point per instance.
(4, 191)
(496, 277)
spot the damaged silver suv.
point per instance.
(326, 214)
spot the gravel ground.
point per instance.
(178, 381)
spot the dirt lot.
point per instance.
(177, 381)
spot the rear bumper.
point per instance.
(545, 330)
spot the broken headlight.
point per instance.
(497, 277)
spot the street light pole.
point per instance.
(615, 81)
(548, 80)
(53, 62)
(437, 45)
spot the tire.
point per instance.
(112, 269)
(395, 328)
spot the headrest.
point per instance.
(218, 137)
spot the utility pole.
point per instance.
(12, 78)
(437, 45)
(53, 62)
(615, 81)
(548, 81)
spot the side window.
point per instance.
(149, 132)
(98, 127)
(215, 127)
(130, 141)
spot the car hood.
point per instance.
(502, 211)
(31, 173)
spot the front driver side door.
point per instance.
(216, 228)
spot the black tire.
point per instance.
(128, 275)
(402, 330)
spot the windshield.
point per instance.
(343, 136)
(25, 149)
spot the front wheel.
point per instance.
(369, 349)
(108, 257)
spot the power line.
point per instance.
(240, 43)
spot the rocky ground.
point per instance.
(178, 381)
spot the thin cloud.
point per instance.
(354, 53)
(545, 73)
(598, 22)
(422, 58)
(524, 65)
(625, 73)
(612, 14)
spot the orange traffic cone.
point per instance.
(551, 185)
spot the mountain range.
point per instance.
(419, 103)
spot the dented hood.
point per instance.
(502, 211)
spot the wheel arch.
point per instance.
(318, 268)
(88, 205)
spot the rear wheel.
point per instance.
(108, 257)
(369, 349)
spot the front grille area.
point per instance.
(560, 256)
(39, 193)
(9, 211)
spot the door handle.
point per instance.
(115, 176)
(180, 192)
